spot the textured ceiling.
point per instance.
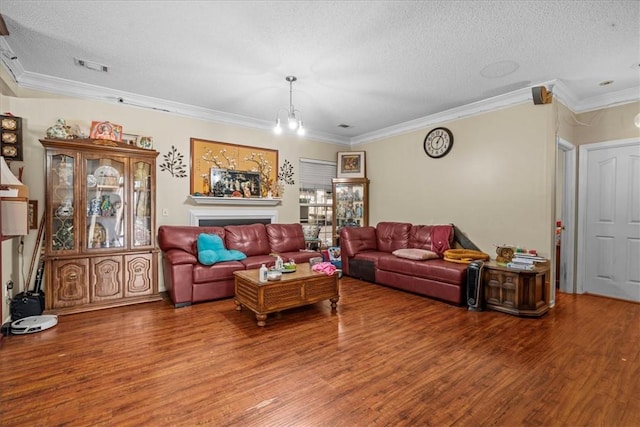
(370, 65)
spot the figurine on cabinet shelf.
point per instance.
(65, 172)
(65, 209)
(94, 206)
(60, 130)
(106, 208)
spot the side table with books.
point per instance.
(517, 291)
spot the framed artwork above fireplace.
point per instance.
(206, 155)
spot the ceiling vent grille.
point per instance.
(91, 65)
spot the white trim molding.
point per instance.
(195, 215)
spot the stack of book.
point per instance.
(525, 261)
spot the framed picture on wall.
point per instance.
(232, 183)
(33, 214)
(351, 164)
(231, 157)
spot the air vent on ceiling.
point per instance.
(90, 65)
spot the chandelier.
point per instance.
(294, 119)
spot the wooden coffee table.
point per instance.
(302, 287)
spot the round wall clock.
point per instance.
(438, 142)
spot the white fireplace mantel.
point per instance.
(234, 201)
(195, 215)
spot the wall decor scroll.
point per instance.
(222, 155)
(286, 173)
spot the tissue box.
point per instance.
(15, 217)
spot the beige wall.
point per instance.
(496, 184)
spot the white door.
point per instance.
(612, 222)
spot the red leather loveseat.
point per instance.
(367, 254)
(187, 281)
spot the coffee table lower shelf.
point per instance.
(302, 287)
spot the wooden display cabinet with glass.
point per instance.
(350, 204)
(100, 216)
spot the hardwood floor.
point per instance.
(384, 358)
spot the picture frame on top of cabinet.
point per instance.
(106, 130)
(129, 138)
(351, 164)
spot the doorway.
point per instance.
(609, 218)
(566, 213)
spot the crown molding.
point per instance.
(519, 96)
(560, 92)
(613, 99)
(13, 66)
(35, 81)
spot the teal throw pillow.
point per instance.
(211, 250)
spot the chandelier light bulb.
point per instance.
(293, 123)
(301, 130)
(278, 129)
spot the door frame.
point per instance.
(568, 244)
(582, 199)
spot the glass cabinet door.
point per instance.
(63, 220)
(105, 218)
(350, 204)
(142, 205)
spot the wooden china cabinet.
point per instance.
(100, 249)
(350, 204)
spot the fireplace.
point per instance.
(220, 218)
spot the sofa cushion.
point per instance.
(285, 237)
(420, 237)
(392, 235)
(433, 269)
(184, 237)
(435, 238)
(249, 239)
(211, 250)
(415, 254)
(216, 272)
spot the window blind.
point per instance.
(316, 174)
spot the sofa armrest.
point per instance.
(354, 240)
(178, 281)
(357, 239)
(177, 257)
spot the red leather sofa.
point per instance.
(187, 281)
(366, 254)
